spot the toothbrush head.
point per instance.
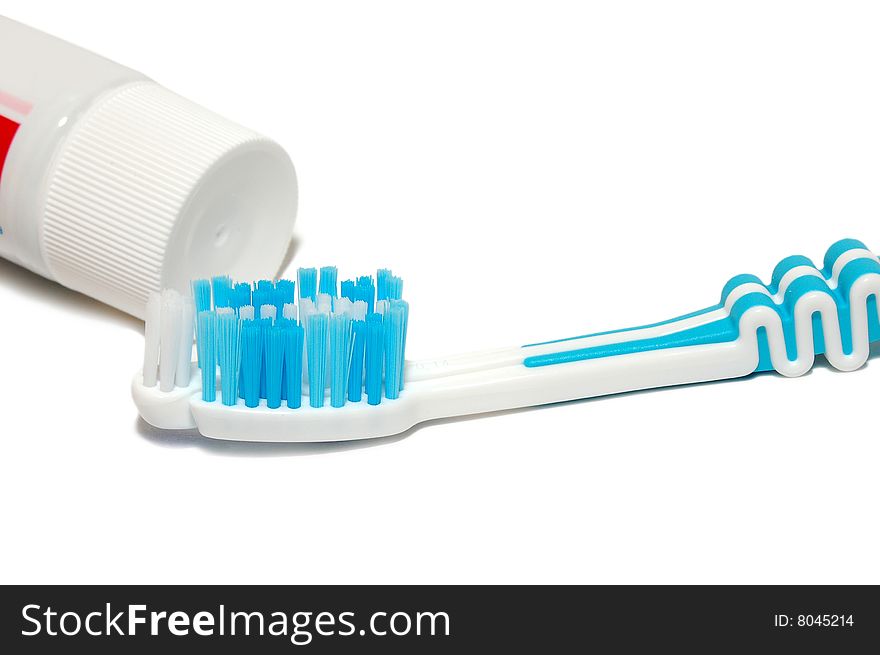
(283, 356)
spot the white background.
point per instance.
(533, 170)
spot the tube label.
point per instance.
(12, 111)
(8, 128)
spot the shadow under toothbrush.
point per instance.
(193, 439)
(28, 283)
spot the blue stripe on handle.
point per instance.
(629, 329)
(715, 332)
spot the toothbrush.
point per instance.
(782, 326)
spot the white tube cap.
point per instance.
(151, 190)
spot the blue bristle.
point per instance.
(387, 346)
(228, 356)
(382, 276)
(206, 342)
(356, 367)
(251, 361)
(241, 368)
(279, 325)
(346, 289)
(262, 297)
(405, 308)
(265, 326)
(373, 358)
(285, 292)
(283, 324)
(395, 345)
(222, 288)
(307, 282)
(316, 350)
(293, 352)
(388, 287)
(274, 366)
(340, 345)
(395, 288)
(328, 281)
(241, 295)
(365, 290)
(266, 285)
(201, 290)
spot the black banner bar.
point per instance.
(390, 619)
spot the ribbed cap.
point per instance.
(147, 176)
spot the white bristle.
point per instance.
(359, 310)
(342, 306)
(184, 355)
(268, 311)
(246, 313)
(381, 307)
(224, 310)
(169, 338)
(306, 309)
(289, 311)
(151, 339)
(325, 303)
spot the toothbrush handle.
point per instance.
(782, 326)
(511, 387)
(489, 359)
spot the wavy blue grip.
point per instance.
(793, 279)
